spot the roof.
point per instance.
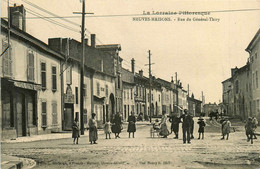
(109, 46)
(229, 79)
(253, 41)
(127, 76)
(26, 37)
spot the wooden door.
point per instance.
(20, 115)
(68, 118)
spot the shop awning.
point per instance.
(27, 85)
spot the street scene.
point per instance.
(129, 84)
(141, 151)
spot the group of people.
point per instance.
(115, 126)
(187, 126)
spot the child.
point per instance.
(249, 130)
(156, 125)
(201, 127)
(107, 128)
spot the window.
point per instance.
(69, 75)
(140, 92)
(30, 66)
(127, 94)
(77, 95)
(43, 75)
(256, 79)
(54, 78)
(106, 90)
(85, 90)
(131, 94)
(54, 113)
(7, 59)
(124, 95)
(101, 66)
(44, 114)
(98, 89)
(118, 82)
(255, 55)
(7, 113)
(136, 90)
(236, 87)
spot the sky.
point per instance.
(201, 52)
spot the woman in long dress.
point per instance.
(75, 131)
(116, 127)
(225, 129)
(164, 131)
(93, 135)
(131, 124)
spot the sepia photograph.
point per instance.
(130, 84)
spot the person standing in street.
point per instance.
(75, 131)
(201, 127)
(255, 123)
(93, 135)
(186, 126)
(192, 128)
(249, 129)
(107, 128)
(175, 125)
(225, 128)
(131, 124)
(164, 131)
(116, 127)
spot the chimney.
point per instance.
(141, 72)
(93, 40)
(133, 65)
(86, 41)
(17, 19)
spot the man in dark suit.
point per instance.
(186, 126)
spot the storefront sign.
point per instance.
(27, 86)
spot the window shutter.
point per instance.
(54, 113)
(44, 114)
(43, 75)
(54, 78)
(30, 67)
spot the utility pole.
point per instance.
(177, 97)
(82, 65)
(150, 83)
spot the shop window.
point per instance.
(54, 78)
(7, 111)
(43, 75)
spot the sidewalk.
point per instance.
(11, 162)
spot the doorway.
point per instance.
(20, 108)
(68, 116)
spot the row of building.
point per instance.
(241, 92)
(40, 83)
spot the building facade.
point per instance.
(254, 49)
(30, 82)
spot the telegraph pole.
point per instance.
(150, 81)
(177, 97)
(82, 65)
(150, 84)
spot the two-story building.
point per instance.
(30, 81)
(128, 93)
(254, 49)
